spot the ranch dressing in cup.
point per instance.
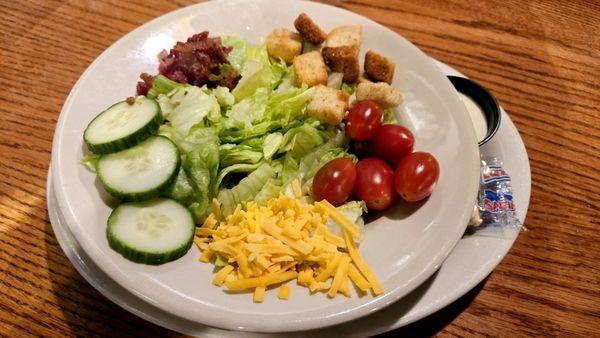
(477, 116)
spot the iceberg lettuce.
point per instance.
(186, 107)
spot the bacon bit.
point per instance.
(130, 100)
(193, 62)
(144, 85)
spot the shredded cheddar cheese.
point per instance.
(284, 292)
(259, 294)
(281, 241)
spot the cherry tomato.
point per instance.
(334, 182)
(375, 183)
(391, 143)
(416, 176)
(364, 120)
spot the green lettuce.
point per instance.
(249, 110)
(300, 141)
(270, 190)
(223, 96)
(288, 105)
(90, 161)
(235, 135)
(389, 117)
(353, 210)
(201, 166)
(235, 168)
(182, 190)
(231, 154)
(348, 88)
(271, 144)
(246, 189)
(163, 85)
(186, 107)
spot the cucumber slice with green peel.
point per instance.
(153, 232)
(122, 126)
(142, 172)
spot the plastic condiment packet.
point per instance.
(495, 211)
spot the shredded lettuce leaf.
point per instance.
(231, 154)
(389, 117)
(163, 85)
(300, 141)
(348, 88)
(353, 210)
(182, 190)
(246, 189)
(224, 97)
(201, 166)
(271, 144)
(186, 107)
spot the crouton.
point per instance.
(310, 69)
(379, 68)
(328, 105)
(381, 92)
(349, 35)
(284, 44)
(341, 51)
(343, 59)
(309, 30)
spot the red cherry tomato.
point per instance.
(334, 182)
(364, 120)
(375, 183)
(416, 176)
(391, 143)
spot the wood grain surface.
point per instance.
(540, 58)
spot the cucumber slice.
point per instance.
(122, 126)
(142, 172)
(151, 232)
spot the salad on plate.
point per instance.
(265, 156)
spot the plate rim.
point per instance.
(357, 311)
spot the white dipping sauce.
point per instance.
(477, 116)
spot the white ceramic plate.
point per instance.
(404, 248)
(471, 260)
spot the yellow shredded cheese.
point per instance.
(330, 268)
(284, 292)
(206, 256)
(341, 219)
(362, 266)
(339, 277)
(358, 279)
(282, 240)
(259, 294)
(265, 280)
(222, 274)
(206, 231)
(344, 288)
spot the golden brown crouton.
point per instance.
(309, 29)
(284, 44)
(341, 51)
(310, 69)
(381, 92)
(349, 35)
(328, 105)
(343, 59)
(378, 67)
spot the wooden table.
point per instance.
(540, 59)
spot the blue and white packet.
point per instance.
(495, 209)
